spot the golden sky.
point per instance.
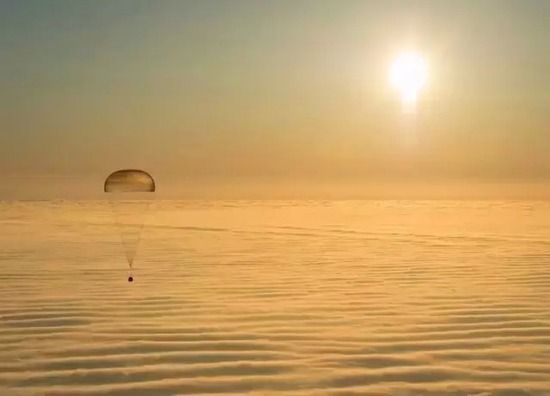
(272, 99)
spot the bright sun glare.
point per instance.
(408, 74)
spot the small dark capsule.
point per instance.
(130, 279)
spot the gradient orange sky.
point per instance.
(274, 99)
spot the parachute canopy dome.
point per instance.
(129, 180)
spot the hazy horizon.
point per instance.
(74, 188)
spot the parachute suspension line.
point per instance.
(130, 217)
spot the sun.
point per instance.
(408, 75)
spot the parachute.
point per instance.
(131, 192)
